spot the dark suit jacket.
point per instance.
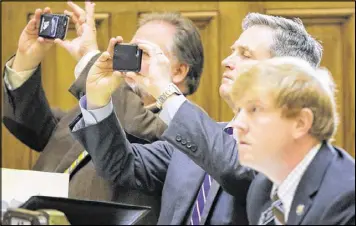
(28, 116)
(158, 168)
(327, 189)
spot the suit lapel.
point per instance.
(309, 184)
(258, 198)
(214, 189)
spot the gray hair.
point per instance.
(187, 44)
(290, 39)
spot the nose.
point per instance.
(228, 62)
(239, 123)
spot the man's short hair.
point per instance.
(290, 37)
(187, 45)
(293, 84)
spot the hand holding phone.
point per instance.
(127, 58)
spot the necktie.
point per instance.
(274, 214)
(76, 163)
(277, 209)
(201, 200)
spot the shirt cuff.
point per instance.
(170, 108)
(83, 62)
(92, 117)
(14, 79)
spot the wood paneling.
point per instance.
(333, 26)
(219, 24)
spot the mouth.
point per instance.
(226, 76)
(243, 143)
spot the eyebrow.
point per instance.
(242, 48)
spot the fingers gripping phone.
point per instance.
(127, 58)
(53, 26)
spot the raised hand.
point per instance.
(31, 48)
(159, 75)
(86, 32)
(102, 80)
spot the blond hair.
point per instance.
(294, 84)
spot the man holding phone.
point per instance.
(188, 195)
(31, 120)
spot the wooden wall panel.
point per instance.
(332, 24)
(220, 26)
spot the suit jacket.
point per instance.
(325, 194)
(204, 142)
(158, 168)
(28, 116)
(327, 189)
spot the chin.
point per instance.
(224, 91)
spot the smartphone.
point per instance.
(53, 26)
(127, 58)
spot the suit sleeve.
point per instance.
(194, 133)
(136, 166)
(27, 114)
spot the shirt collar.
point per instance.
(286, 190)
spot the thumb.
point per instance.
(104, 57)
(64, 44)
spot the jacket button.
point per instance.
(193, 148)
(184, 141)
(189, 145)
(178, 138)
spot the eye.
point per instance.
(254, 109)
(236, 111)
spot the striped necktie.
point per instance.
(201, 200)
(274, 215)
(76, 163)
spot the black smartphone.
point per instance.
(53, 26)
(127, 58)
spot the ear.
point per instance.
(303, 123)
(180, 71)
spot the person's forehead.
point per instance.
(263, 97)
(255, 38)
(160, 33)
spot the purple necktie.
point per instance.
(201, 200)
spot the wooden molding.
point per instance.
(99, 18)
(315, 16)
(201, 19)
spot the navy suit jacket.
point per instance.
(159, 168)
(326, 192)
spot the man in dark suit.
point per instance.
(31, 120)
(207, 148)
(297, 165)
(302, 178)
(189, 195)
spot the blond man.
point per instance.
(302, 178)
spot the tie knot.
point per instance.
(275, 196)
